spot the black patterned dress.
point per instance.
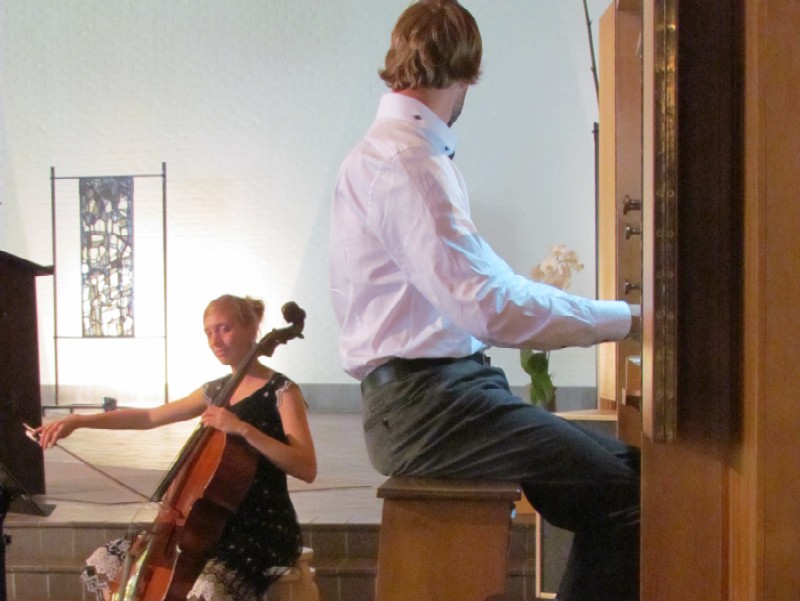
(260, 541)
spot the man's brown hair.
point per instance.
(435, 43)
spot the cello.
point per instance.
(200, 492)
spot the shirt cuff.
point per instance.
(613, 320)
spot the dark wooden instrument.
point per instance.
(200, 492)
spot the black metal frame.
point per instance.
(53, 178)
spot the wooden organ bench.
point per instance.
(442, 540)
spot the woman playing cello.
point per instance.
(268, 411)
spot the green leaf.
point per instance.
(537, 364)
(524, 356)
(542, 390)
(534, 362)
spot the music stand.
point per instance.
(13, 497)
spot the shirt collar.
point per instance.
(436, 131)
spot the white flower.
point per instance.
(556, 269)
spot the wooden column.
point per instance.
(764, 467)
(686, 550)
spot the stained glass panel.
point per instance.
(107, 256)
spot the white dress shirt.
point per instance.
(409, 274)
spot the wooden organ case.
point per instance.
(619, 216)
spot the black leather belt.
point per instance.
(396, 368)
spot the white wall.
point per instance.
(253, 105)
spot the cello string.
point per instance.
(34, 436)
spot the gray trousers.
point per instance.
(461, 420)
